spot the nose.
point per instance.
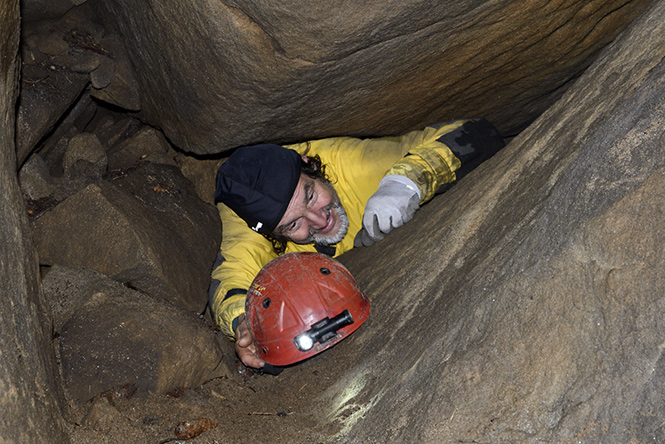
(317, 218)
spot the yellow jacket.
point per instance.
(355, 167)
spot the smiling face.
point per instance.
(314, 214)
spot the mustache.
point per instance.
(328, 209)
(334, 238)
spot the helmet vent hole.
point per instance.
(325, 271)
(263, 349)
(266, 303)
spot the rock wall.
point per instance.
(526, 304)
(215, 75)
(30, 396)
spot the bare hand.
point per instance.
(245, 346)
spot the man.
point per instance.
(327, 195)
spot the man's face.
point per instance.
(314, 214)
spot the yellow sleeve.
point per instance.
(356, 166)
(244, 252)
(360, 164)
(429, 163)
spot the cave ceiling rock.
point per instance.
(216, 75)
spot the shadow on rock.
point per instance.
(113, 337)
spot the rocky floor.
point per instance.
(243, 408)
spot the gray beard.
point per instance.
(340, 212)
(336, 208)
(330, 239)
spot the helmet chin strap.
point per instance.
(269, 369)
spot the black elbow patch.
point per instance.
(472, 143)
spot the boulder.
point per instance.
(113, 81)
(47, 92)
(31, 399)
(216, 75)
(113, 128)
(67, 59)
(85, 147)
(526, 304)
(148, 144)
(202, 173)
(115, 338)
(144, 226)
(35, 179)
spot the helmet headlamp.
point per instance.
(322, 331)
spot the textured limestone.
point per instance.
(216, 75)
(31, 398)
(114, 338)
(533, 311)
(144, 226)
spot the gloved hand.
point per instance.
(393, 204)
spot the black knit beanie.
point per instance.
(257, 182)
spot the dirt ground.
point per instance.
(245, 408)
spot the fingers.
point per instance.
(385, 223)
(396, 222)
(378, 225)
(372, 226)
(375, 230)
(362, 239)
(376, 233)
(390, 207)
(358, 240)
(244, 340)
(243, 336)
(248, 356)
(245, 347)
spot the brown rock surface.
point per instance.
(113, 337)
(66, 61)
(535, 312)
(145, 226)
(46, 94)
(147, 144)
(216, 75)
(524, 305)
(31, 398)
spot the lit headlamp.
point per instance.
(322, 331)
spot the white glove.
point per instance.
(393, 204)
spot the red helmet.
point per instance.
(301, 304)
